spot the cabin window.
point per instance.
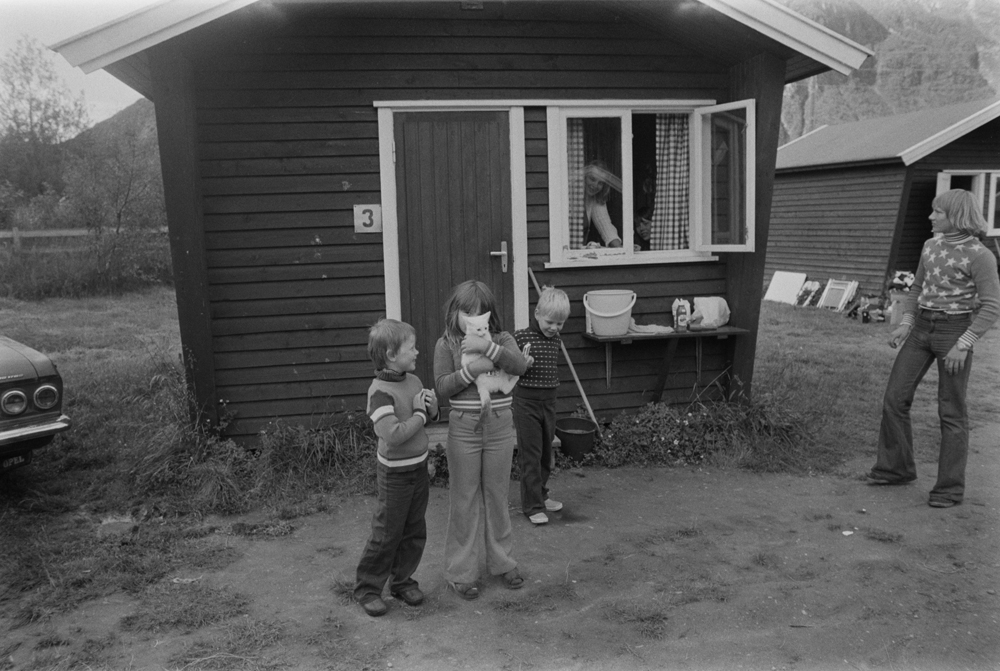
(650, 183)
(984, 184)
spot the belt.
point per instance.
(941, 315)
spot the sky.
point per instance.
(51, 21)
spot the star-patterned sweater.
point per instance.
(956, 274)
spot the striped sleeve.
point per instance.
(379, 405)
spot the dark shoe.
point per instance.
(943, 503)
(512, 579)
(411, 596)
(375, 606)
(879, 480)
(466, 590)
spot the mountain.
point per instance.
(928, 53)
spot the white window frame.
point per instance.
(701, 248)
(981, 180)
(701, 197)
(992, 220)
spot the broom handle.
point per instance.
(579, 385)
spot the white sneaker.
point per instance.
(539, 518)
(552, 506)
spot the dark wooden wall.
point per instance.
(288, 143)
(836, 223)
(979, 150)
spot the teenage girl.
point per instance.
(954, 300)
(479, 457)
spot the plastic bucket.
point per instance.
(576, 436)
(609, 311)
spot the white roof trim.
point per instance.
(141, 29)
(804, 135)
(796, 31)
(950, 134)
(149, 26)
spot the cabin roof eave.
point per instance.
(117, 45)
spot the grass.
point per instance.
(132, 456)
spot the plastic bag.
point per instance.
(710, 312)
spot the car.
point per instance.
(31, 401)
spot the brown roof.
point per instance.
(907, 137)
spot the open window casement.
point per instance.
(667, 181)
(723, 156)
(992, 220)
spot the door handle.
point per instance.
(503, 256)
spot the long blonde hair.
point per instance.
(963, 211)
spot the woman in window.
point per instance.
(597, 226)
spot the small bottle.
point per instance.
(682, 318)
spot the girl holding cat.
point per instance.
(480, 443)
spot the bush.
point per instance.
(758, 435)
(103, 265)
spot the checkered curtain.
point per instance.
(574, 165)
(671, 203)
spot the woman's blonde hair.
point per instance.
(963, 211)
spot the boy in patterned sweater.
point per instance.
(535, 403)
(399, 407)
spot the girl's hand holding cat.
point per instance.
(473, 344)
(481, 366)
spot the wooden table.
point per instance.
(672, 339)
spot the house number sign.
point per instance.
(367, 218)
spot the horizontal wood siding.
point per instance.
(835, 223)
(288, 143)
(635, 366)
(979, 150)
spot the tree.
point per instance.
(37, 114)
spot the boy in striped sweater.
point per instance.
(399, 407)
(535, 403)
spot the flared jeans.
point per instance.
(479, 461)
(931, 338)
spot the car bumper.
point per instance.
(32, 431)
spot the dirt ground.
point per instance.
(644, 569)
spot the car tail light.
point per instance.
(46, 396)
(14, 402)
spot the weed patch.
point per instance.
(649, 621)
(241, 645)
(883, 536)
(759, 435)
(184, 606)
(57, 566)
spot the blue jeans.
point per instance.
(930, 339)
(535, 420)
(399, 533)
(479, 463)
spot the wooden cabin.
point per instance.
(329, 163)
(851, 202)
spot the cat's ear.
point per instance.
(486, 318)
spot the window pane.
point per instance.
(729, 226)
(594, 162)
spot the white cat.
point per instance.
(496, 380)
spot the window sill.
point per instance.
(632, 260)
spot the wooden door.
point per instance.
(453, 195)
